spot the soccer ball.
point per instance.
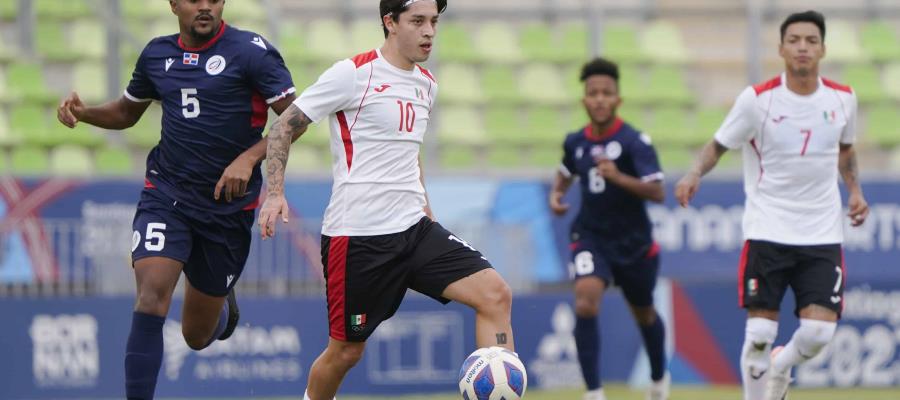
(492, 373)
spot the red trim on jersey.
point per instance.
(654, 250)
(427, 73)
(837, 86)
(612, 130)
(260, 111)
(364, 58)
(207, 44)
(148, 184)
(345, 137)
(759, 156)
(767, 85)
(363, 100)
(742, 268)
(251, 206)
(336, 286)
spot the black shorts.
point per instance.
(366, 277)
(213, 247)
(814, 273)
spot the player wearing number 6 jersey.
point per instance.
(611, 236)
(796, 132)
(378, 234)
(215, 84)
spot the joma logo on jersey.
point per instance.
(191, 59)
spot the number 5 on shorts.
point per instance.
(155, 233)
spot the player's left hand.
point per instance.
(607, 169)
(274, 206)
(234, 180)
(859, 209)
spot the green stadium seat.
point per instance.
(365, 35)
(883, 126)
(292, 43)
(663, 42)
(327, 40)
(539, 44)
(500, 85)
(29, 123)
(111, 161)
(620, 43)
(542, 84)
(459, 158)
(498, 42)
(70, 161)
(672, 126)
(51, 42)
(571, 76)
(866, 83)
(82, 135)
(631, 113)
(304, 160)
(465, 86)
(575, 45)
(546, 157)
(455, 43)
(55, 9)
(674, 158)
(708, 122)
(8, 51)
(843, 43)
(316, 135)
(5, 96)
(578, 119)
(504, 157)
(9, 10)
(147, 10)
(891, 80)
(545, 125)
(879, 40)
(504, 125)
(669, 86)
(146, 133)
(90, 38)
(633, 87)
(7, 138)
(29, 161)
(89, 80)
(244, 11)
(462, 126)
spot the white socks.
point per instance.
(758, 338)
(807, 342)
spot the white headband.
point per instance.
(410, 2)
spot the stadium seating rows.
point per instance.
(514, 89)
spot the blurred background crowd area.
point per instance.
(508, 71)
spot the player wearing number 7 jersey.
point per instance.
(378, 233)
(215, 84)
(611, 240)
(796, 132)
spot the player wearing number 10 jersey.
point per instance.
(215, 84)
(796, 132)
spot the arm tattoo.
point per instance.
(501, 338)
(292, 122)
(848, 167)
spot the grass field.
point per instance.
(619, 392)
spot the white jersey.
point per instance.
(378, 115)
(790, 150)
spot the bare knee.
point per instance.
(347, 354)
(153, 300)
(645, 316)
(496, 299)
(586, 306)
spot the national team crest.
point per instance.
(830, 116)
(191, 59)
(420, 94)
(753, 287)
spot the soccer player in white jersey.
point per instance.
(378, 233)
(796, 132)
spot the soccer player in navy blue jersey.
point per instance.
(612, 242)
(215, 84)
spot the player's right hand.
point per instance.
(68, 109)
(687, 188)
(556, 203)
(274, 206)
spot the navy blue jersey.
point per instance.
(215, 102)
(617, 218)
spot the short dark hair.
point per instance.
(600, 66)
(396, 7)
(811, 16)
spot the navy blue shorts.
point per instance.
(637, 279)
(213, 247)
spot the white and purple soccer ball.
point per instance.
(492, 373)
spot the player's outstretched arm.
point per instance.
(291, 122)
(688, 185)
(234, 180)
(117, 114)
(560, 186)
(856, 202)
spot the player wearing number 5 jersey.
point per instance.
(612, 242)
(796, 132)
(378, 234)
(215, 84)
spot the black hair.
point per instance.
(811, 16)
(396, 7)
(600, 66)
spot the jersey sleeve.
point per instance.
(141, 89)
(331, 93)
(646, 163)
(567, 168)
(268, 73)
(740, 124)
(848, 136)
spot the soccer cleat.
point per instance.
(234, 314)
(777, 386)
(596, 394)
(660, 390)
